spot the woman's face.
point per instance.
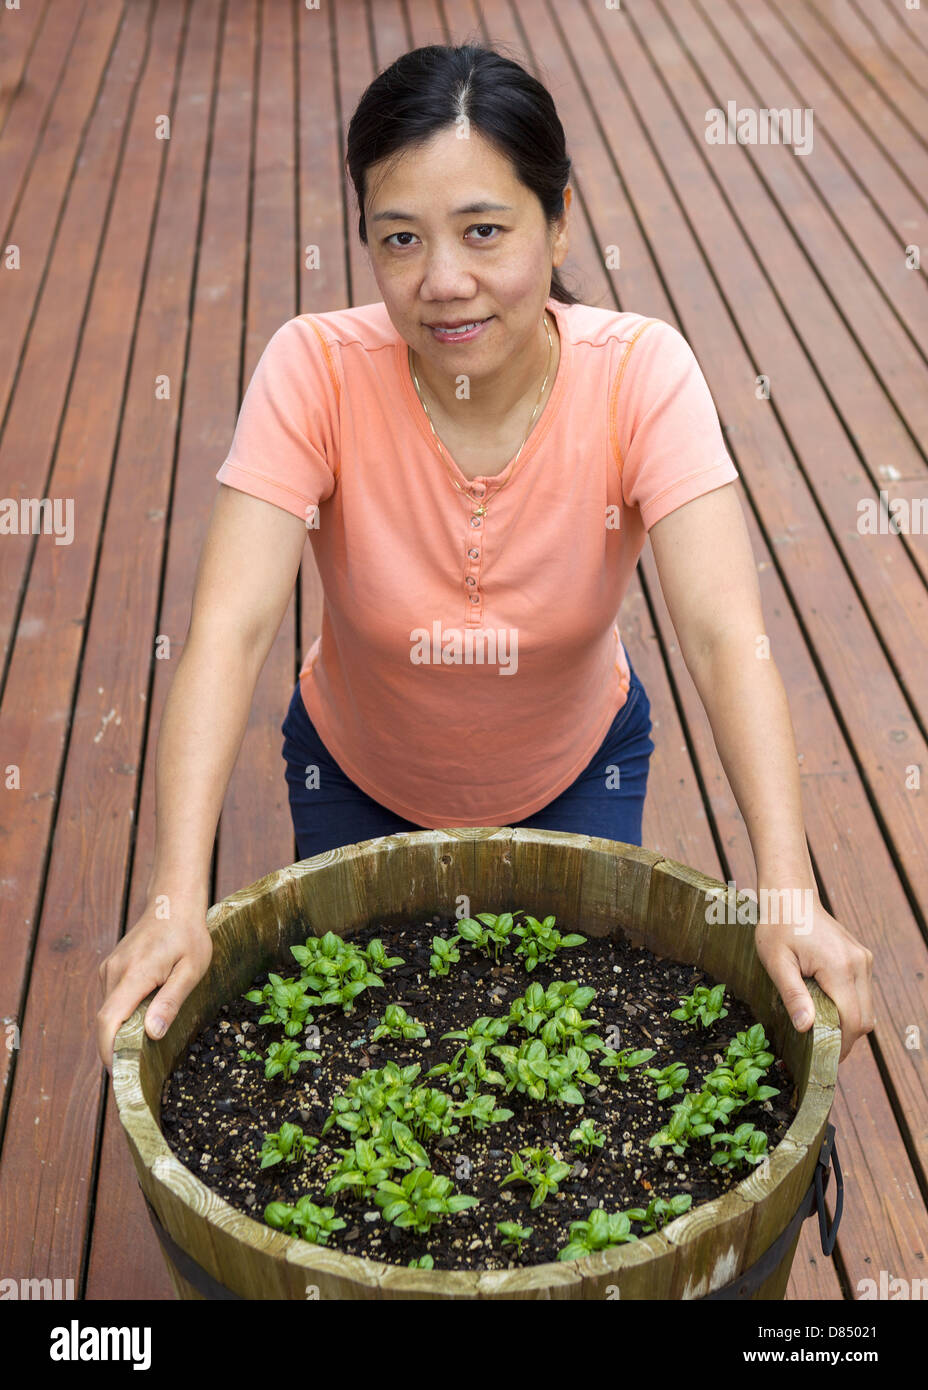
(438, 258)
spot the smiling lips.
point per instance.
(463, 331)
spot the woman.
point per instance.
(478, 459)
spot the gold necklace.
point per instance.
(481, 509)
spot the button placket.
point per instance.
(474, 605)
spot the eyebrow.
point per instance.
(391, 215)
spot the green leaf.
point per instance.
(599, 1226)
(278, 1214)
(392, 1210)
(456, 1204)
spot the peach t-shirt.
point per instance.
(468, 667)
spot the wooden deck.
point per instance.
(143, 258)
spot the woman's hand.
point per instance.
(174, 954)
(840, 965)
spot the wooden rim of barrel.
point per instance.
(598, 886)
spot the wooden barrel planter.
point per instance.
(595, 886)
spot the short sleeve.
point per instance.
(669, 437)
(284, 448)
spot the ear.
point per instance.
(559, 250)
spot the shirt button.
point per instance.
(479, 489)
(475, 521)
(471, 580)
(473, 553)
(475, 598)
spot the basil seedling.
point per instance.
(541, 1169)
(743, 1086)
(420, 1200)
(286, 1002)
(481, 1111)
(745, 1145)
(288, 1145)
(555, 1014)
(486, 932)
(669, 1080)
(286, 1058)
(469, 1068)
(369, 1098)
(429, 1113)
(704, 1006)
(482, 1028)
(586, 1137)
(598, 1233)
(675, 1133)
(540, 941)
(305, 1220)
(539, 1074)
(445, 953)
(514, 1234)
(623, 1061)
(660, 1210)
(366, 1164)
(396, 1023)
(377, 956)
(749, 1047)
(340, 970)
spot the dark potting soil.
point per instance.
(216, 1109)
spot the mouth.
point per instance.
(458, 331)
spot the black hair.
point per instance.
(429, 89)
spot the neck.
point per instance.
(493, 398)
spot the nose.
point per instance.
(446, 277)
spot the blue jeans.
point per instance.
(338, 812)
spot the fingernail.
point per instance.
(800, 1018)
(157, 1027)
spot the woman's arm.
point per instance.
(245, 578)
(709, 580)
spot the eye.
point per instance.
(479, 226)
(492, 226)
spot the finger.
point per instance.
(783, 968)
(863, 985)
(119, 1005)
(164, 1008)
(840, 986)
